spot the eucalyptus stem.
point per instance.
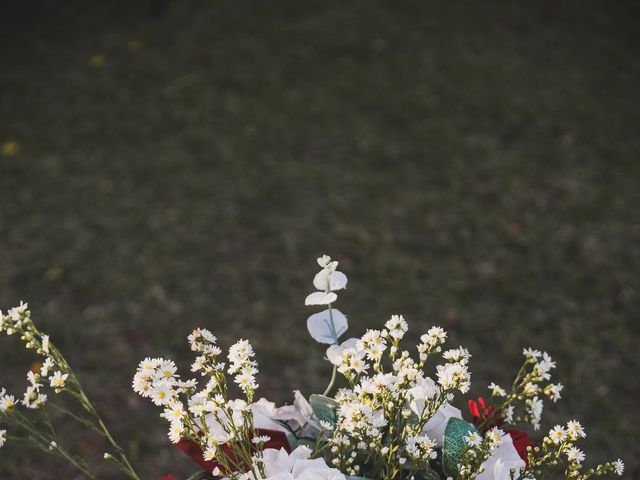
(332, 381)
(335, 368)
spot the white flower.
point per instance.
(575, 430)
(166, 371)
(575, 455)
(46, 366)
(535, 411)
(618, 466)
(553, 391)
(45, 343)
(161, 393)
(420, 447)
(210, 453)
(459, 355)
(544, 366)
(239, 354)
(297, 466)
(7, 402)
(498, 466)
(141, 383)
(258, 439)
(334, 352)
(3, 437)
(397, 326)
(58, 379)
(246, 381)
(425, 389)
(495, 436)
(175, 431)
(174, 412)
(557, 434)
(454, 376)
(497, 390)
(531, 353)
(435, 336)
(473, 439)
(508, 414)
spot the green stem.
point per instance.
(335, 368)
(333, 380)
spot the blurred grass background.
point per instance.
(472, 164)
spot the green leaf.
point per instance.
(324, 408)
(454, 444)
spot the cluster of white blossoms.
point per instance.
(385, 414)
(558, 447)
(206, 416)
(51, 373)
(242, 365)
(491, 456)
(392, 419)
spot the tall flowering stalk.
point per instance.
(222, 427)
(30, 416)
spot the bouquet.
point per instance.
(392, 417)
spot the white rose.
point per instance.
(437, 424)
(498, 466)
(280, 465)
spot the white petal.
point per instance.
(498, 466)
(350, 343)
(327, 280)
(337, 281)
(334, 352)
(437, 424)
(324, 260)
(320, 298)
(320, 328)
(321, 280)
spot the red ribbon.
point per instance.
(481, 411)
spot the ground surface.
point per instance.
(473, 165)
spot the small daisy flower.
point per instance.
(618, 466)
(210, 453)
(497, 390)
(258, 439)
(473, 439)
(58, 379)
(557, 434)
(7, 402)
(575, 455)
(175, 432)
(575, 430)
(45, 343)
